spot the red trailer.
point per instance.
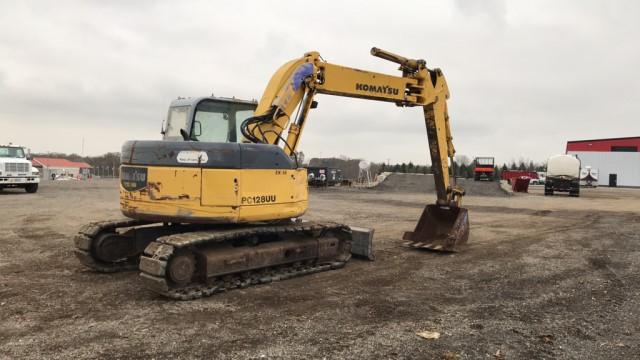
(510, 174)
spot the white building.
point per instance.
(617, 159)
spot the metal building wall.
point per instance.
(625, 164)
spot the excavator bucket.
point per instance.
(440, 229)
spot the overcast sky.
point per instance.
(525, 76)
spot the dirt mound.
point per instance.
(398, 182)
(482, 188)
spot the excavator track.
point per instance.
(85, 244)
(116, 245)
(197, 264)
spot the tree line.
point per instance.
(463, 167)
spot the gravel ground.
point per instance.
(542, 277)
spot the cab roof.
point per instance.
(194, 100)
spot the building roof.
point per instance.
(606, 139)
(605, 145)
(57, 162)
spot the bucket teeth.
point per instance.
(423, 245)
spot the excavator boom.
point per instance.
(443, 226)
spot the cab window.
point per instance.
(177, 120)
(11, 152)
(217, 121)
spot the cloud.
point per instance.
(490, 11)
(525, 77)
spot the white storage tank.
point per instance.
(563, 174)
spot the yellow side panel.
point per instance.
(166, 183)
(220, 187)
(217, 195)
(173, 194)
(272, 194)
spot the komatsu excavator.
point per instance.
(216, 204)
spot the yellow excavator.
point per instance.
(217, 203)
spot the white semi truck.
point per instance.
(16, 170)
(563, 174)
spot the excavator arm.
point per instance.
(288, 98)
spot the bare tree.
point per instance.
(462, 159)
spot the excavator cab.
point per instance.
(207, 119)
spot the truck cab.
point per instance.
(16, 170)
(483, 168)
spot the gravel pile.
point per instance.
(398, 182)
